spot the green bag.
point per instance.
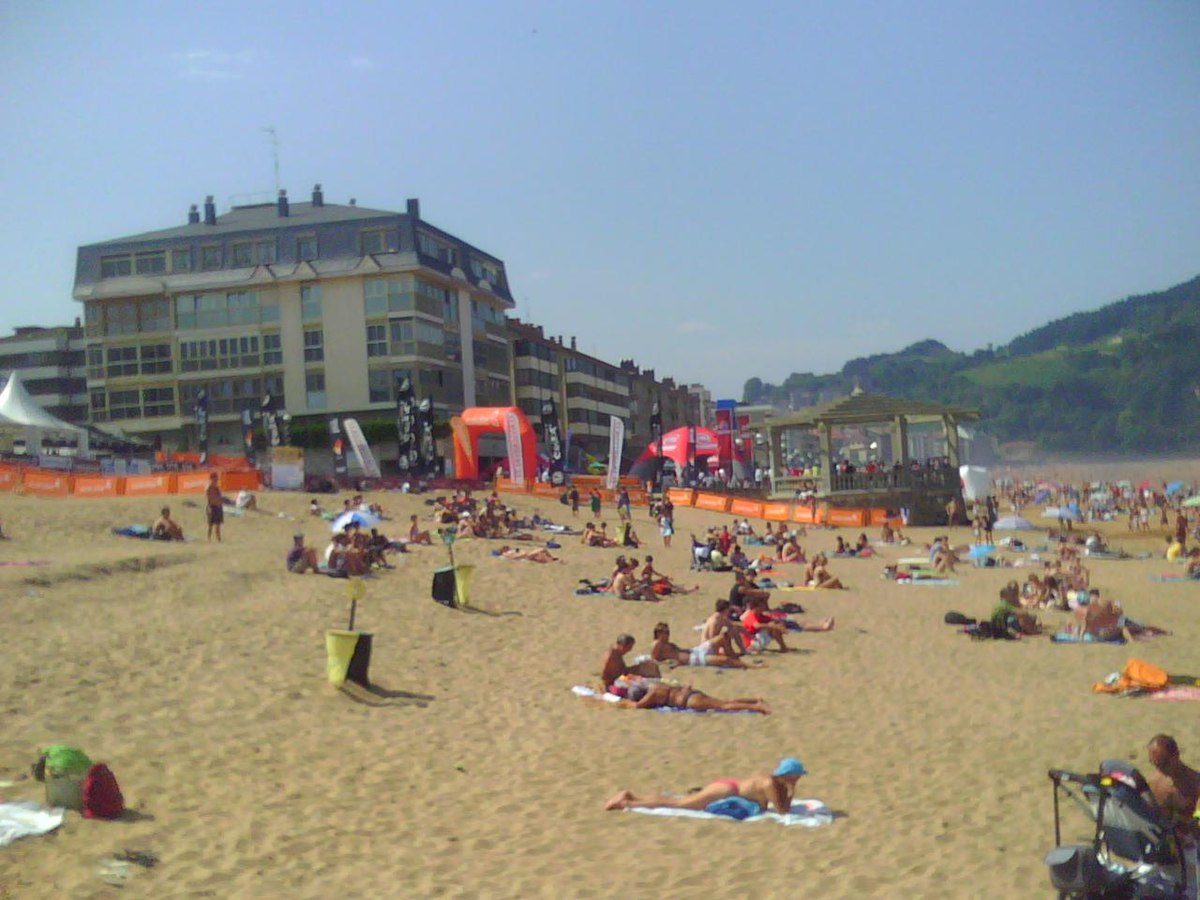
(63, 760)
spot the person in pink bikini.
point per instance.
(774, 790)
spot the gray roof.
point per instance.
(258, 218)
(863, 409)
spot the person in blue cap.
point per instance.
(774, 790)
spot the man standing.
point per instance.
(623, 505)
(216, 507)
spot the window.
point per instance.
(122, 318)
(373, 242)
(431, 377)
(384, 295)
(155, 358)
(243, 254)
(210, 257)
(379, 385)
(124, 405)
(425, 333)
(310, 302)
(93, 318)
(158, 402)
(154, 263)
(314, 389)
(95, 361)
(438, 249)
(306, 247)
(450, 309)
(402, 337)
(314, 345)
(156, 315)
(116, 266)
(242, 308)
(122, 361)
(453, 347)
(181, 259)
(265, 252)
(219, 353)
(272, 350)
(377, 344)
(211, 311)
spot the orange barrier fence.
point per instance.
(853, 518)
(712, 502)
(191, 482)
(681, 497)
(10, 477)
(52, 483)
(746, 508)
(776, 512)
(97, 486)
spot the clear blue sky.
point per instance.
(717, 190)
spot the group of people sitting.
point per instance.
(629, 582)
(598, 536)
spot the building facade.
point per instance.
(323, 306)
(52, 368)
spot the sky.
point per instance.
(716, 190)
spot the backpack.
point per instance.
(957, 618)
(101, 794)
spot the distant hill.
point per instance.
(1123, 378)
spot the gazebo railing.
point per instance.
(868, 482)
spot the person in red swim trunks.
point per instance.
(767, 790)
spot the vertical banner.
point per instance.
(202, 425)
(552, 435)
(285, 429)
(616, 445)
(425, 446)
(406, 425)
(358, 443)
(512, 441)
(338, 446)
(248, 434)
(725, 413)
(270, 421)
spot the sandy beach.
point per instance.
(196, 671)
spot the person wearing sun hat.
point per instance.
(774, 790)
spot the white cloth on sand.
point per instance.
(806, 813)
(24, 818)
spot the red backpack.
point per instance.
(101, 794)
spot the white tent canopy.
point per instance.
(18, 408)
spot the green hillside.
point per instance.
(1125, 377)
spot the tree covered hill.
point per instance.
(1125, 377)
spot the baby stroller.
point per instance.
(1133, 854)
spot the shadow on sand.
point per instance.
(376, 695)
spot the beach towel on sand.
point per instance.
(1065, 637)
(24, 818)
(805, 813)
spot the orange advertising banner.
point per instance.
(776, 512)
(681, 497)
(191, 483)
(854, 518)
(96, 486)
(139, 485)
(714, 502)
(746, 508)
(10, 477)
(54, 485)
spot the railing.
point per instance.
(870, 482)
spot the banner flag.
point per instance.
(202, 425)
(338, 445)
(248, 434)
(425, 447)
(358, 443)
(270, 421)
(512, 440)
(406, 425)
(616, 445)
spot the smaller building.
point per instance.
(53, 368)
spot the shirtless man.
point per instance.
(541, 555)
(720, 625)
(1175, 788)
(625, 585)
(776, 789)
(649, 575)
(716, 652)
(166, 528)
(613, 666)
(817, 575)
(1106, 620)
(674, 696)
(216, 507)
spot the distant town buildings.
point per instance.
(51, 363)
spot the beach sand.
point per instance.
(196, 671)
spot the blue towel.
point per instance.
(734, 807)
(1064, 637)
(551, 545)
(133, 531)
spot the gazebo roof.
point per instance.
(862, 409)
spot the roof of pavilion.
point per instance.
(865, 409)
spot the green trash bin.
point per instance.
(348, 656)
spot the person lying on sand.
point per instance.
(762, 627)
(540, 555)
(660, 582)
(613, 666)
(1105, 620)
(716, 652)
(774, 790)
(658, 695)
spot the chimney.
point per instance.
(572, 342)
(210, 211)
(353, 202)
(283, 204)
(194, 215)
(318, 196)
(414, 207)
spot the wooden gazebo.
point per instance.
(893, 479)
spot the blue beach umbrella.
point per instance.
(361, 519)
(981, 551)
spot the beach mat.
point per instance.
(1171, 578)
(1064, 637)
(815, 814)
(588, 693)
(25, 818)
(928, 582)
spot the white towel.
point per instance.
(806, 813)
(24, 818)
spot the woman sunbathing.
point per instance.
(666, 696)
(716, 652)
(541, 555)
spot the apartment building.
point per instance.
(51, 363)
(323, 306)
(701, 409)
(645, 391)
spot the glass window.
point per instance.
(453, 347)
(156, 315)
(439, 250)
(99, 400)
(427, 333)
(122, 318)
(211, 310)
(151, 263)
(310, 302)
(210, 257)
(379, 385)
(243, 254)
(242, 307)
(124, 405)
(158, 402)
(155, 358)
(402, 337)
(265, 252)
(306, 247)
(115, 266)
(95, 361)
(450, 309)
(181, 259)
(272, 350)
(314, 345)
(314, 389)
(372, 242)
(377, 343)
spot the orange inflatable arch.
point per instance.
(488, 419)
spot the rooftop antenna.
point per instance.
(273, 137)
